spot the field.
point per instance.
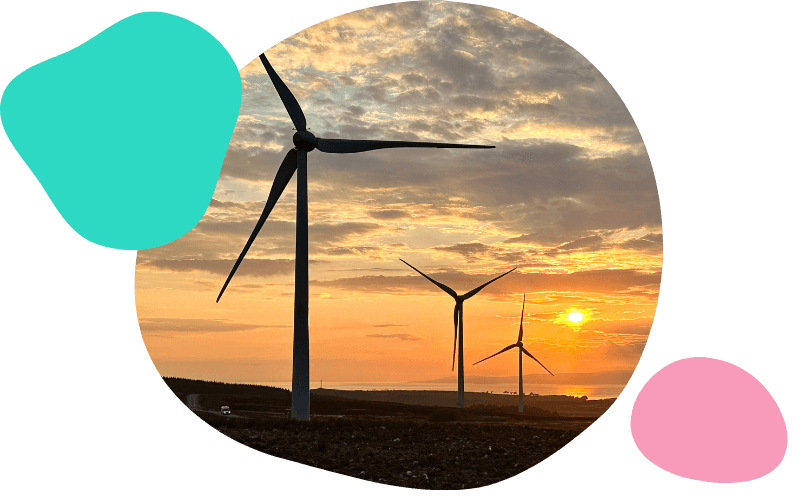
(425, 445)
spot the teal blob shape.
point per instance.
(127, 132)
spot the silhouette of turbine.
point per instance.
(521, 350)
(296, 159)
(458, 323)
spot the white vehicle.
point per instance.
(225, 411)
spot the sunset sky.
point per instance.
(568, 197)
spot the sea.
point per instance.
(598, 391)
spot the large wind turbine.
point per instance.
(521, 350)
(304, 142)
(458, 323)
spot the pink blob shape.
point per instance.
(709, 420)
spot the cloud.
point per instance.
(640, 326)
(588, 243)
(415, 79)
(355, 110)
(568, 174)
(448, 62)
(196, 325)
(467, 250)
(249, 267)
(625, 352)
(649, 242)
(401, 336)
(389, 214)
(328, 233)
(249, 163)
(274, 228)
(621, 281)
(381, 253)
(214, 245)
(567, 193)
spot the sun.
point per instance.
(575, 317)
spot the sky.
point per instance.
(568, 197)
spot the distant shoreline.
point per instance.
(557, 405)
(375, 394)
(562, 404)
(595, 386)
(593, 391)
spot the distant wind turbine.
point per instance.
(296, 159)
(521, 350)
(458, 323)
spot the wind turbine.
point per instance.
(296, 159)
(458, 323)
(521, 350)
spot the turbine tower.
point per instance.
(458, 323)
(521, 350)
(296, 159)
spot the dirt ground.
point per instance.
(389, 442)
(404, 452)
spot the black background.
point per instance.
(89, 404)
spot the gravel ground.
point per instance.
(393, 442)
(413, 454)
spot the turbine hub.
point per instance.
(304, 140)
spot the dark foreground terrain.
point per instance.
(415, 446)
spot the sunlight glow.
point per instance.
(575, 317)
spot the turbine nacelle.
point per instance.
(304, 140)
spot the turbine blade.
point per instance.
(531, 356)
(476, 290)
(289, 102)
(282, 178)
(455, 338)
(356, 146)
(520, 318)
(446, 288)
(495, 354)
